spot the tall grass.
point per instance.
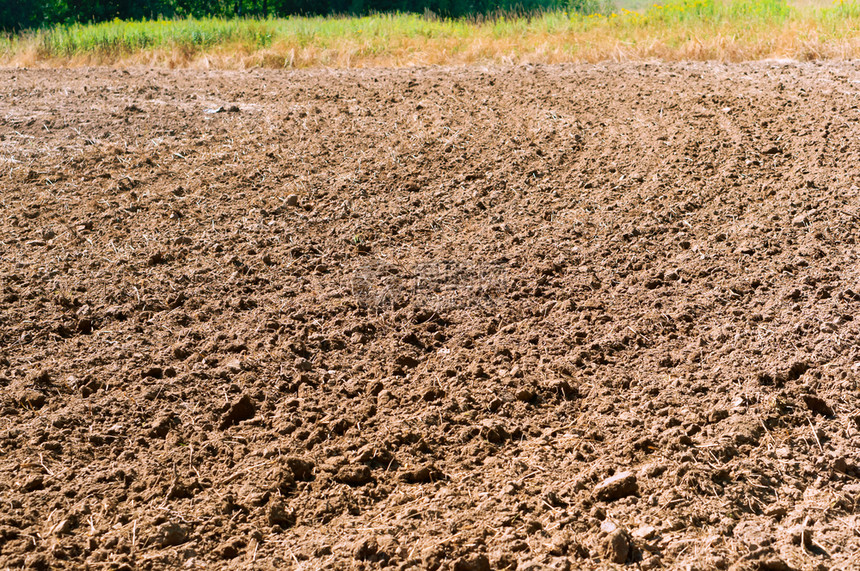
(729, 30)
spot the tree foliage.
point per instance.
(17, 15)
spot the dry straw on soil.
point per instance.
(738, 30)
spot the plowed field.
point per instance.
(574, 317)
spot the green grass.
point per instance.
(752, 28)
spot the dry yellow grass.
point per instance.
(739, 30)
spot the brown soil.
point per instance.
(539, 317)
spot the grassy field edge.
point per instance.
(730, 31)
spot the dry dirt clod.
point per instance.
(292, 200)
(366, 549)
(801, 220)
(817, 405)
(371, 453)
(30, 398)
(301, 468)
(33, 484)
(84, 326)
(844, 466)
(618, 486)
(162, 425)
(422, 475)
(279, 514)
(158, 258)
(616, 546)
(406, 361)
(171, 533)
(433, 394)
(494, 431)
(559, 544)
(565, 390)
(771, 150)
(42, 378)
(230, 549)
(152, 372)
(645, 532)
(37, 562)
(61, 527)
(241, 409)
(283, 479)
(525, 394)
(774, 564)
(800, 534)
(354, 475)
(474, 562)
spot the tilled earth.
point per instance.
(570, 317)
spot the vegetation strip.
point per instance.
(691, 30)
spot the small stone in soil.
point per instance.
(618, 486)
(233, 366)
(607, 525)
(292, 200)
(61, 527)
